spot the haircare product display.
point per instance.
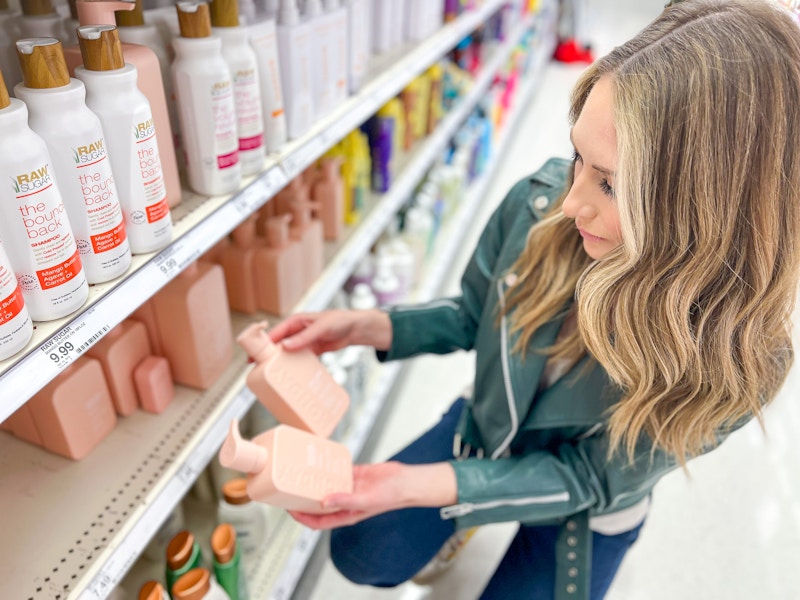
(76, 142)
(34, 225)
(40, 20)
(198, 584)
(228, 561)
(295, 51)
(16, 327)
(112, 94)
(175, 522)
(243, 65)
(149, 81)
(120, 351)
(183, 555)
(206, 108)
(289, 468)
(279, 283)
(194, 325)
(294, 386)
(74, 412)
(247, 518)
(238, 261)
(264, 41)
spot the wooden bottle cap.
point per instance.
(194, 19)
(100, 48)
(32, 8)
(73, 9)
(131, 18)
(5, 101)
(225, 13)
(42, 63)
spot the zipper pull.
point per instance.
(456, 510)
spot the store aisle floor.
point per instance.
(731, 530)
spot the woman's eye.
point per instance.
(607, 189)
(576, 157)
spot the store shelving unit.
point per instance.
(200, 222)
(101, 512)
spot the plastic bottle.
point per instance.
(16, 328)
(264, 40)
(386, 284)
(328, 193)
(358, 51)
(279, 283)
(183, 555)
(76, 141)
(152, 590)
(248, 518)
(198, 584)
(157, 547)
(32, 212)
(206, 108)
(242, 63)
(338, 24)
(228, 561)
(294, 48)
(322, 57)
(112, 94)
(238, 261)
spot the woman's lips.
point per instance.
(588, 236)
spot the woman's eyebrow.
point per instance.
(597, 168)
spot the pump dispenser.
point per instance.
(242, 62)
(206, 108)
(279, 285)
(102, 12)
(289, 468)
(76, 141)
(294, 386)
(238, 261)
(125, 113)
(294, 45)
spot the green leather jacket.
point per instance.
(544, 453)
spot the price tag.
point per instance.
(68, 344)
(176, 257)
(297, 161)
(250, 198)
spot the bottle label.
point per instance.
(106, 229)
(10, 304)
(227, 142)
(151, 172)
(59, 274)
(247, 96)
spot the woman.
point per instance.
(628, 311)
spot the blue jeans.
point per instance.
(389, 549)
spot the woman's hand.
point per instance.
(332, 330)
(382, 487)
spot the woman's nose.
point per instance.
(577, 205)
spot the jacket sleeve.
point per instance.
(449, 324)
(543, 487)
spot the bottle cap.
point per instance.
(42, 63)
(5, 100)
(244, 235)
(256, 342)
(194, 19)
(130, 18)
(193, 585)
(35, 8)
(225, 13)
(301, 214)
(152, 590)
(179, 550)
(278, 231)
(100, 48)
(101, 12)
(223, 543)
(240, 454)
(235, 492)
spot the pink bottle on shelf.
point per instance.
(328, 193)
(153, 380)
(238, 262)
(101, 12)
(295, 190)
(21, 425)
(294, 386)
(146, 315)
(308, 232)
(194, 324)
(289, 468)
(266, 212)
(278, 275)
(120, 351)
(74, 412)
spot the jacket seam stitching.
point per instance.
(512, 405)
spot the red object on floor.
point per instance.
(569, 51)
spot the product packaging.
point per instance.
(279, 283)
(16, 327)
(295, 51)
(248, 518)
(264, 40)
(228, 562)
(183, 555)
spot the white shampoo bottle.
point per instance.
(264, 41)
(322, 57)
(16, 327)
(112, 93)
(206, 108)
(76, 141)
(34, 225)
(294, 45)
(337, 18)
(246, 85)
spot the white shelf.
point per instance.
(78, 526)
(201, 222)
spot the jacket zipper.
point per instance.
(460, 510)
(512, 405)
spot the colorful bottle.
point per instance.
(125, 114)
(247, 517)
(264, 40)
(206, 108)
(198, 584)
(328, 193)
(34, 225)
(289, 468)
(153, 380)
(295, 51)
(183, 555)
(228, 562)
(120, 352)
(152, 590)
(194, 325)
(74, 412)
(294, 386)
(308, 232)
(238, 262)
(150, 83)
(16, 327)
(76, 141)
(242, 62)
(279, 284)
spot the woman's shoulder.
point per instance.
(540, 189)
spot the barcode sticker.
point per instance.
(68, 344)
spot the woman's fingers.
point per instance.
(289, 327)
(329, 521)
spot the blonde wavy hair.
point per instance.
(690, 316)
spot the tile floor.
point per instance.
(731, 530)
